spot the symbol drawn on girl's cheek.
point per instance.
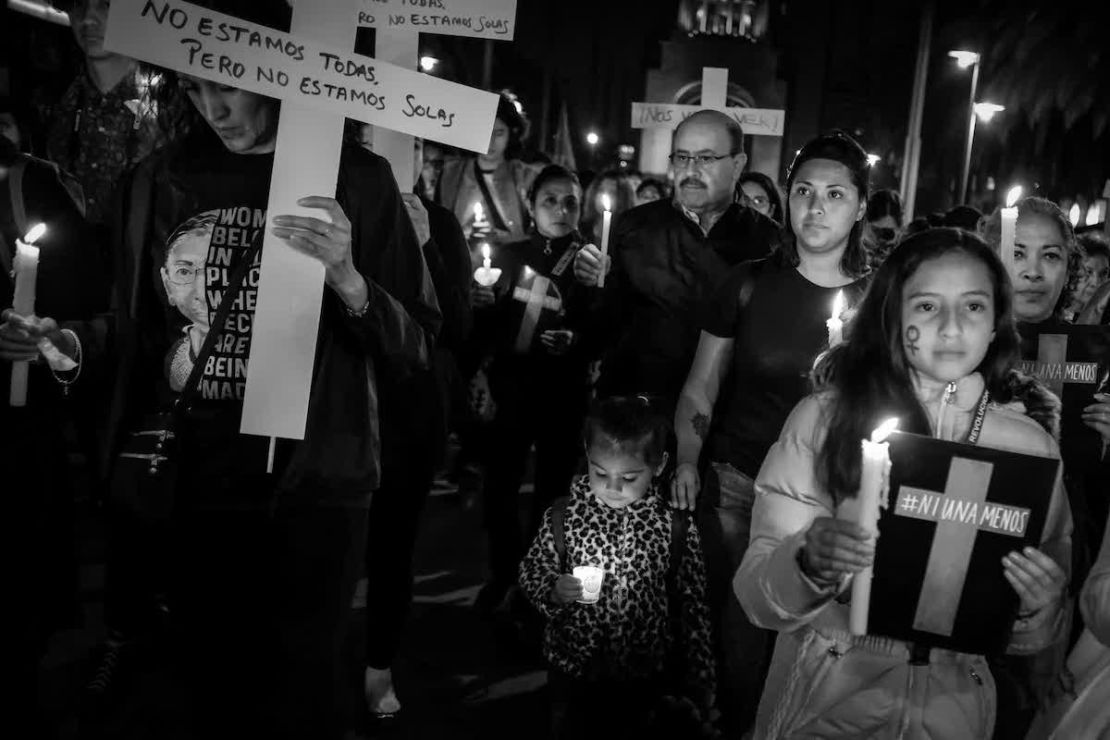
(912, 335)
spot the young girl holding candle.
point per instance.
(645, 635)
(932, 337)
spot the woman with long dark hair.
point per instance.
(932, 343)
(762, 332)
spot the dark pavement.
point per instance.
(458, 675)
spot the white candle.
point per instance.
(606, 221)
(1009, 229)
(486, 275)
(834, 323)
(479, 216)
(26, 269)
(873, 478)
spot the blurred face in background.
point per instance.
(1094, 272)
(648, 194)
(498, 140)
(756, 197)
(87, 19)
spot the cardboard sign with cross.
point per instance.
(714, 95)
(957, 509)
(311, 70)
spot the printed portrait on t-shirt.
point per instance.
(183, 276)
(201, 259)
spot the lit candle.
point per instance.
(606, 221)
(480, 222)
(26, 269)
(1009, 229)
(835, 324)
(872, 485)
(486, 275)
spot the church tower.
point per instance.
(736, 35)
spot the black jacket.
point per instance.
(338, 462)
(664, 269)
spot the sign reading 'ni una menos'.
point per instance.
(955, 511)
(1074, 363)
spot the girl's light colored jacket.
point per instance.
(823, 681)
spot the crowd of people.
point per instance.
(689, 423)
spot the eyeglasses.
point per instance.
(185, 275)
(682, 159)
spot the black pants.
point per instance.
(529, 410)
(394, 521)
(264, 600)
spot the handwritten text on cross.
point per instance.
(491, 19)
(960, 512)
(193, 40)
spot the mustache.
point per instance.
(691, 181)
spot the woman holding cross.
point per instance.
(269, 549)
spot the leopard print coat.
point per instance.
(626, 635)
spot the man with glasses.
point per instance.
(667, 257)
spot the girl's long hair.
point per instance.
(869, 375)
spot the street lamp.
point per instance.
(985, 111)
(967, 59)
(592, 138)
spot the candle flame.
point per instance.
(34, 234)
(1013, 195)
(838, 305)
(479, 212)
(884, 430)
(1073, 214)
(485, 251)
(605, 202)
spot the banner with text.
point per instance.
(192, 40)
(485, 19)
(754, 121)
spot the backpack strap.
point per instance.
(558, 529)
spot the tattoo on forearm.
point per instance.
(700, 422)
(912, 335)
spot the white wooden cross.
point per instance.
(320, 82)
(397, 25)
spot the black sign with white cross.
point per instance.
(955, 510)
(1074, 363)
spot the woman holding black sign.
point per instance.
(934, 345)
